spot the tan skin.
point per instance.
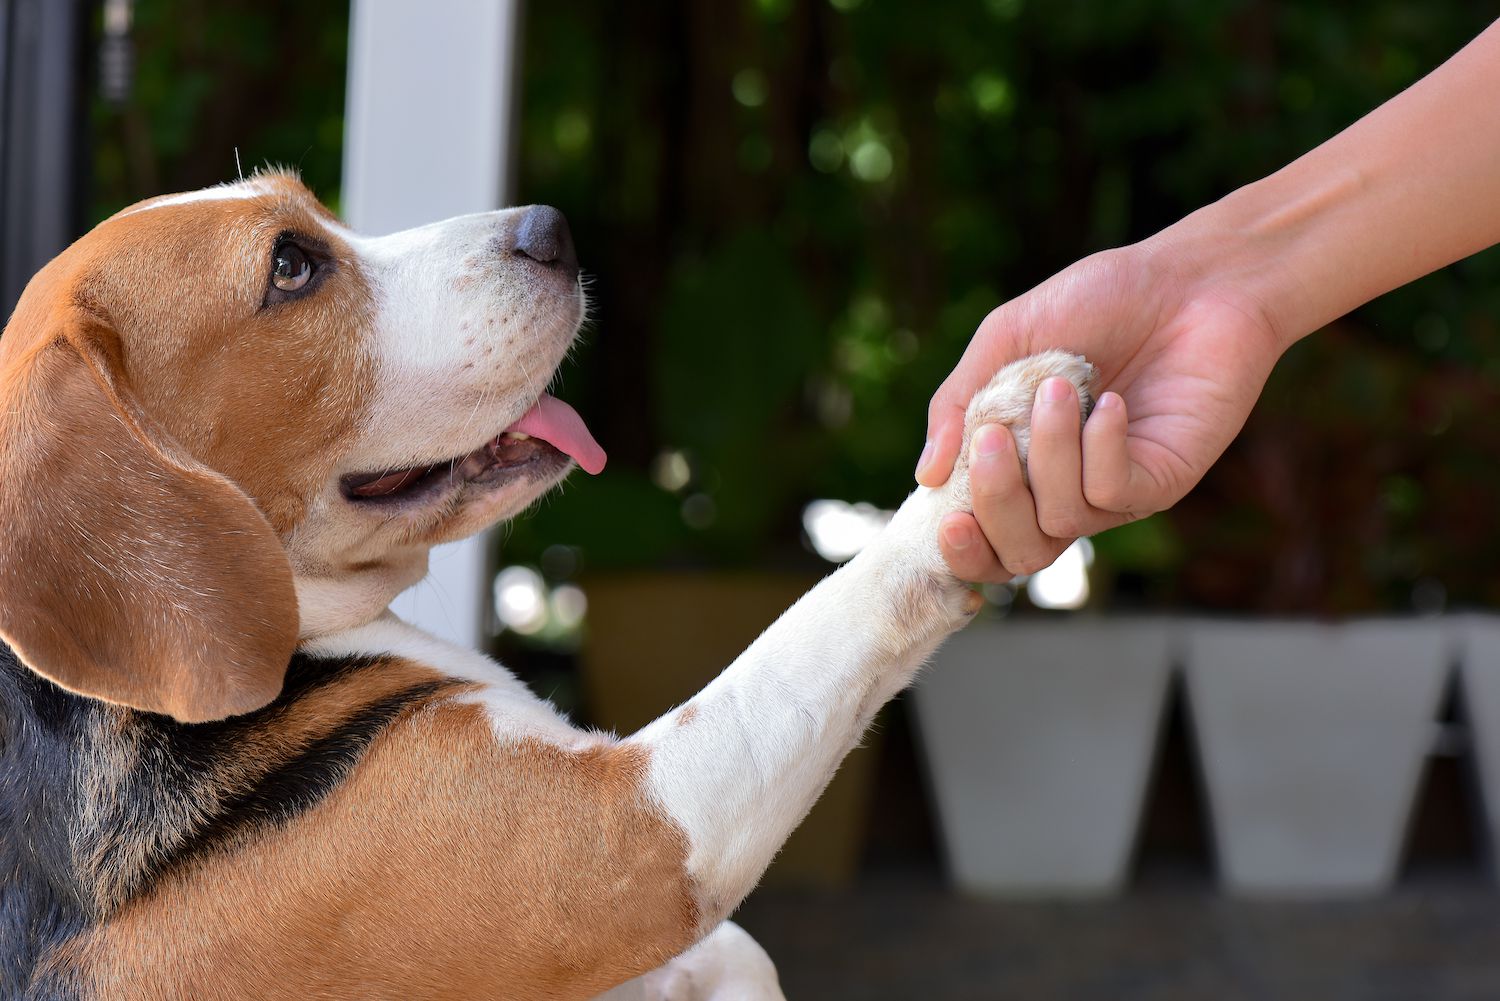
(1186, 326)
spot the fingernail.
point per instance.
(1056, 390)
(1109, 401)
(925, 458)
(956, 537)
(988, 442)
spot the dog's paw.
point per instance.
(1008, 400)
(937, 599)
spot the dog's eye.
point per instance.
(290, 268)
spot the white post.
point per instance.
(427, 130)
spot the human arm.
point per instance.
(1186, 325)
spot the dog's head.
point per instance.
(224, 415)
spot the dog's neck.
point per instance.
(330, 603)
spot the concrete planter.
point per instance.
(1039, 739)
(1479, 678)
(1311, 739)
(655, 639)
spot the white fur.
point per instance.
(251, 188)
(739, 767)
(727, 965)
(767, 734)
(515, 712)
(466, 336)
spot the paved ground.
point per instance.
(905, 937)
(901, 935)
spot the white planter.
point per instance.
(1039, 739)
(1311, 740)
(1479, 676)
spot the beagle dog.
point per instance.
(231, 430)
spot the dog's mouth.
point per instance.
(545, 440)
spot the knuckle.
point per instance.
(970, 566)
(994, 485)
(1060, 525)
(944, 406)
(1026, 565)
(958, 557)
(1055, 445)
(1048, 420)
(1108, 496)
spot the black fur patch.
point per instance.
(40, 903)
(299, 784)
(96, 801)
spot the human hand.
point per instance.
(1184, 327)
(1181, 357)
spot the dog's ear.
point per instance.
(129, 572)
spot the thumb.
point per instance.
(945, 434)
(994, 344)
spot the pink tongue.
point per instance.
(559, 425)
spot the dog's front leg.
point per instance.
(739, 765)
(727, 965)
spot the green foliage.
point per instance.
(798, 213)
(263, 79)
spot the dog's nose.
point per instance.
(543, 236)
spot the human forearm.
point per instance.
(1186, 325)
(1409, 188)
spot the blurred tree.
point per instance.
(799, 211)
(214, 79)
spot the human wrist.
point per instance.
(1407, 189)
(1269, 250)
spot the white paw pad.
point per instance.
(1010, 394)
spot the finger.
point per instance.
(1055, 463)
(1107, 469)
(969, 556)
(945, 436)
(1002, 337)
(1002, 504)
(997, 342)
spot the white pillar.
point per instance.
(427, 130)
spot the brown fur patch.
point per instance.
(267, 396)
(114, 569)
(161, 417)
(447, 866)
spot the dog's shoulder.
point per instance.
(97, 802)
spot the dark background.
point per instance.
(823, 200)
